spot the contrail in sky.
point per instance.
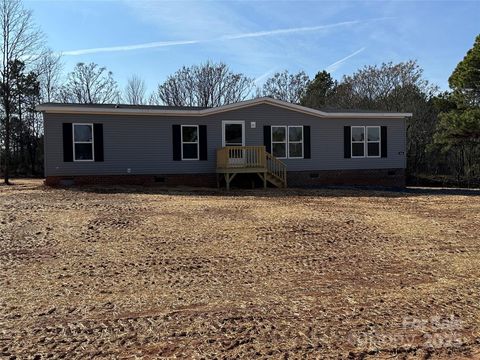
(264, 75)
(160, 44)
(332, 67)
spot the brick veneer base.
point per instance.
(202, 180)
(375, 177)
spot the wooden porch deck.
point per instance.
(232, 160)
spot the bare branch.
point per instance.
(135, 91)
(285, 86)
(21, 41)
(89, 84)
(49, 69)
(205, 85)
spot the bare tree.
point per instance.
(285, 86)
(394, 87)
(205, 85)
(90, 84)
(49, 70)
(135, 91)
(20, 40)
(153, 99)
(382, 87)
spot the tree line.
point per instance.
(443, 136)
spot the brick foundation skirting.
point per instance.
(374, 177)
(201, 180)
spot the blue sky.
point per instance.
(154, 38)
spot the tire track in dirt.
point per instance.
(156, 273)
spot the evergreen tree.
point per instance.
(458, 130)
(319, 90)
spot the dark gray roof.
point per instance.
(127, 106)
(202, 111)
(353, 111)
(166, 107)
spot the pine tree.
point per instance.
(459, 129)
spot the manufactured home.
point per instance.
(279, 143)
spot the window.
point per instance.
(358, 141)
(279, 141)
(365, 146)
(190, 142)
(83, 142)
(295, 142)
(373, 141)
(233, 133)
(287, 142)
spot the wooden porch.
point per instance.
(232, 160)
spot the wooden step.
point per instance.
(275, 180)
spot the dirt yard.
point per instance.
(151, 273)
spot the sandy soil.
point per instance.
(131, 273)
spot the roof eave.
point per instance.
(204, 112)
(106, 111)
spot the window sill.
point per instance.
(365, 157)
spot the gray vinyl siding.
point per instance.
(144, 143)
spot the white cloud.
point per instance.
(333, 67)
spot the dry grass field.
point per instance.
(162, 273)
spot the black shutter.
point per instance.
(98, 141)
(267, 138)
(383, 140)
(203, 142)
(177, 142)
(347, 138)
(67, 142)
(306, 142)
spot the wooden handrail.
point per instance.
(253, 157)
(277, 168)
(241, 157)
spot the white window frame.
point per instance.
(191, 142)
(379, 142)
(279, 142)
(357, 142)
(226, 122)
(287, 141)
(83, 142)
(295, 142)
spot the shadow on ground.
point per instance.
(331, 191)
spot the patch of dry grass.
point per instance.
(163, 273)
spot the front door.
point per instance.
(233, 134)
